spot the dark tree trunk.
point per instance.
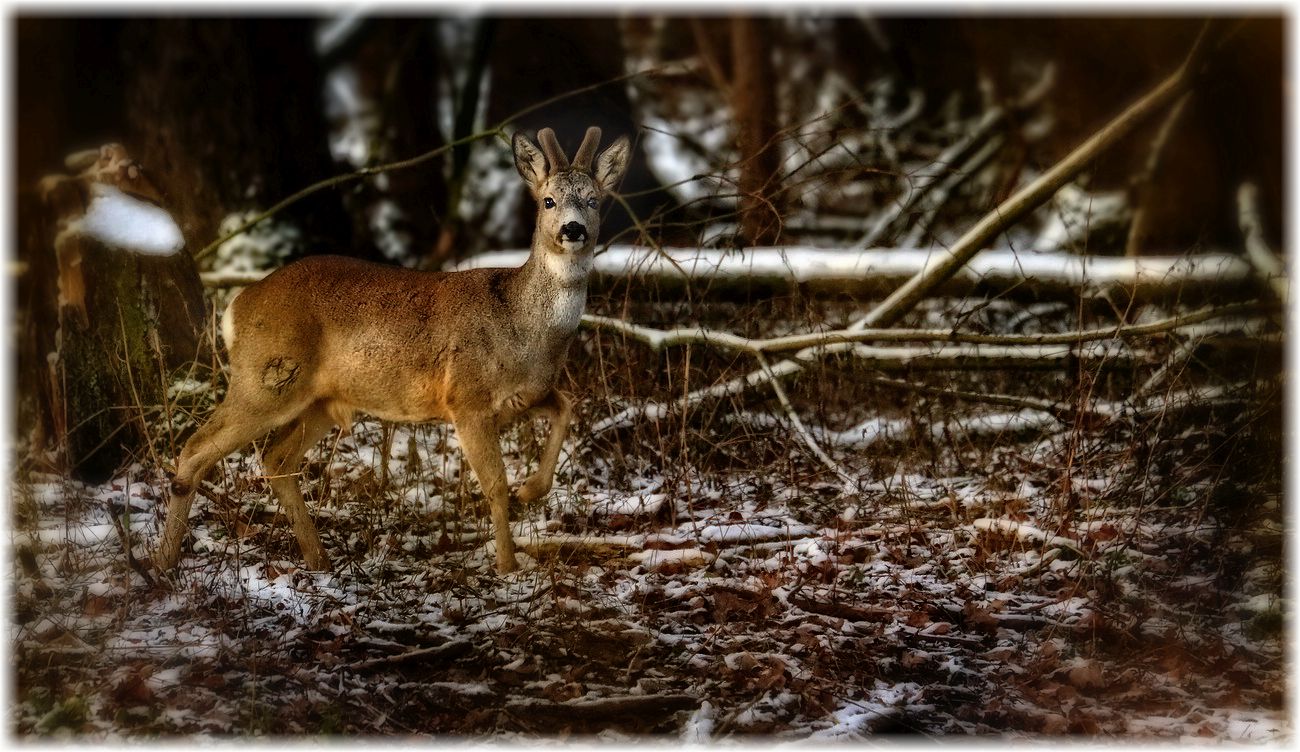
(395, 61)
(753, 101)
(227, 115)
(467, 105)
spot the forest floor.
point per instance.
(694, 578)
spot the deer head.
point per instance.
(568, 195)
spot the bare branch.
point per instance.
(1007, 213)
(658, 339)
(1031, 196)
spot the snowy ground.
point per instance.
(988, 586)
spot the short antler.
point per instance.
(582, 160)
(551, 148)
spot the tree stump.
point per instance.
(111, 304)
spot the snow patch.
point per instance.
(122, 221)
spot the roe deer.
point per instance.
(325, 337)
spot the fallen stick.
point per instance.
(605, 708)
(917, 187)
(839, 610)
(447, 651)
(939, 197)
(1038, 191)
(972, 357)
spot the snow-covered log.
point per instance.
(822, 270)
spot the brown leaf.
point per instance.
(1054, 723)
(1086, 674)
(96, 605)
(134, 689)
(771, 675)
(979, 618)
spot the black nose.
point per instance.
(574, 231)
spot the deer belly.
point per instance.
(408, 398)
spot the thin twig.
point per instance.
(1137, 231)
(799, 428)
(131, 561)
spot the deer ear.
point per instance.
(529, 160)
(611, 164)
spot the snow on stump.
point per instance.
(117, 304)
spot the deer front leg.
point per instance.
(557, 408)
(478, 439)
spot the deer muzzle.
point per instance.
(573, 232)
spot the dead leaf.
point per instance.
(1086, 674)
(96, 605)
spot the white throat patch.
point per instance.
(567, 268)
(570, 271)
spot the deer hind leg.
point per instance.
(236, 422)
(482, 447)
(557, 408)
(282, 459)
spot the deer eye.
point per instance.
(591, 203)
(548, 202)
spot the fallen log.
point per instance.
(832, 271)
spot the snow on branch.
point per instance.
(1265, 262)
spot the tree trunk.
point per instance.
(395, 61)
(753, 102)
(227, 114)
(103, 328)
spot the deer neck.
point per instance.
(555, 284)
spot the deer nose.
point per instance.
(573, 231)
